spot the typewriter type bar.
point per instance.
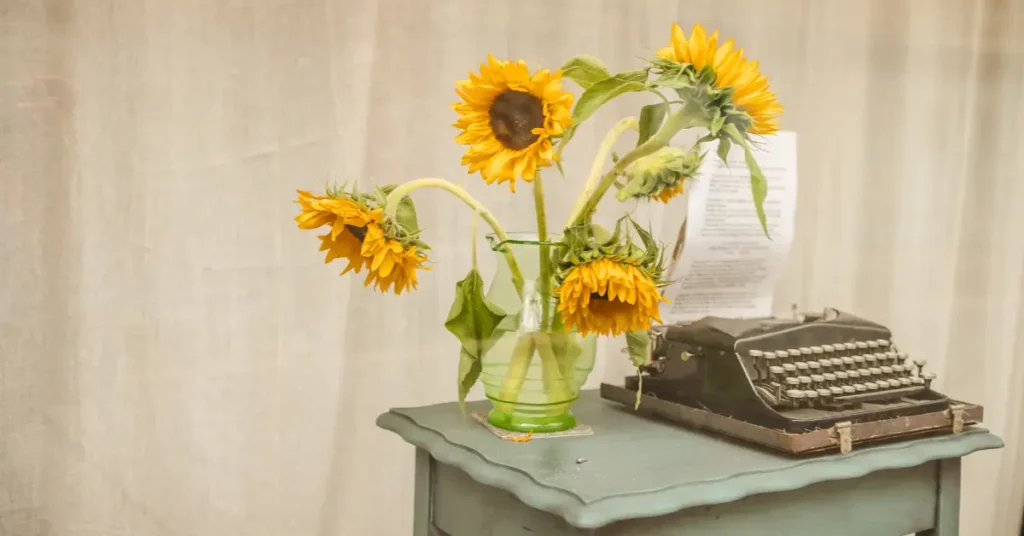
(840, 437)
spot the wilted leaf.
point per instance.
(473, 319)
(638, 344)
(758, 187)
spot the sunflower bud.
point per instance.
(660, 175)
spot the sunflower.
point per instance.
(507, 117)
(358, 235)
(667, 194)
(608, 286)
(391, 263)
(608, 297)
(660, 175)
(750, 89)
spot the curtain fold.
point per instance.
(175, 359)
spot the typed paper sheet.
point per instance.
(725, 266)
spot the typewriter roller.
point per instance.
(794, 376)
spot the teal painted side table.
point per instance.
(637, 476)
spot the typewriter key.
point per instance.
(829, 377)
(828, 348)
(861, 345)
(871, 386)
(872, 344)
(836, 390)
(886, 370)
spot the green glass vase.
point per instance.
(534, 368)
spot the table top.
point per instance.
(635, 466)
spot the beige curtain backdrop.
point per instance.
(176, 360)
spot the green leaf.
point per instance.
(469, 371)
(758, 187)
(674, 79)
(651, 118)
(601, 235)
(638, 344)
(585, 70)
(716, 123)
(406, 217)
(473, 319)
(600, 93)
(723, 150)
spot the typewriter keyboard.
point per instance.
(837, 375)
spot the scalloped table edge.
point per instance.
(595, 514)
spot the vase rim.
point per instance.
(523, 238)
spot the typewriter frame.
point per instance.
(841, 437)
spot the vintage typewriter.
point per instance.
(803, 384)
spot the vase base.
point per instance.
(526, 421)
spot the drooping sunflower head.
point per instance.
(660, 175)
(609, 286)
(744, 87)
(389, 248)
(508, 117)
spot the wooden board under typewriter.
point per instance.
(840, 438)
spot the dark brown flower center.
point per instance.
(358, 232)
(514, 115)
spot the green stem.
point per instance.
(557, 387)
(399, 193)
(686, 117)
(515, 374)
(603, 151)
(545, 255)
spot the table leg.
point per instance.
(947, 511)
(421, 500)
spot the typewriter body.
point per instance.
(806, 383)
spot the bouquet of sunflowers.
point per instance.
(531, 337)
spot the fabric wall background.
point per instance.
(176, 360)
